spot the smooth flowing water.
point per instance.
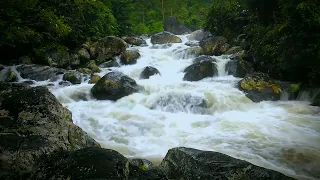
(284, 135)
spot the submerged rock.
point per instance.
(174, 26)
(34, 124)
(216, 45)
(73, 77)
(107, 48)
(316, 100)
(164, 38)
(199, 35)
(137, 41)
(260, 87)
(40, 73)
(187, 163)
(200, 70)
(149, 71)
(130, 57)
(192, 43)
(114, 86)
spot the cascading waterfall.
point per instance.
(210, 114)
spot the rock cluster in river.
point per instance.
(38, 141)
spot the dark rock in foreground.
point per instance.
(33, 124)
(174, 26)
(200, 70)
(114, 86)
(87, 163)
(148, 71)
(164, 38)
(190, 164)
(260, 87)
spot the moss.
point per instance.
(85, 70)
(259, 85)
(11, 77)
(111, 83)
(294, 88)
(92, 65)
(71, 77)
(94, 79)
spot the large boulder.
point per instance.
(189, 164)
(260, 87)
(216, 45)
(34, 124)
(110, 63)
(316, 100)
(130, 57)
(107, 48)
(87, 163)
(83, 55)
(7, 75)
(187, 53)
(40, 73)
(238, 67)
(164, 38)
(148, 71)
(204, 58)
(174, 26)
(136, 41)
(199, 35)
(114, 86)
(200, 70)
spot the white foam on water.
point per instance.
(210, 114)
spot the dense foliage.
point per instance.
(283, 35)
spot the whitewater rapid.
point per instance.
(284, 135)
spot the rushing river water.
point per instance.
(284, 135)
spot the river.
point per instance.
(283, 135)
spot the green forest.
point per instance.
(282, 36)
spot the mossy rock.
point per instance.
(84, 55)
(234, 50)
(260, 87)
(85, 70)
(130, 57)
(137, 41)
(72, 77)
(216, 45)
(94, 79)
(11, 76)
(164, 38)
(239, 68)
(93, 66)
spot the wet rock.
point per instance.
(192, 43)
(200, 70)
(187, 163)
(174, 26)
(25, 60)
(28, 82)
(316, 100)
(164, 38)
(216, 45)
(94, 79)
(87, 163)
(188, 52)
(84, 55)
(130, 57)
(107, 48)
(179, 102)
(73, 77)
(199, 35)
(234, 50)
(141, 169)
(290, 91)
(136, 41)
(239, 68)
(40, 73)
(93, 66)
(65, 83)
(111, 63)
(204, 58)
(114, 86)
(1, 67)
(260, 87)
(34, 124)
(54, 56)
(148, 71)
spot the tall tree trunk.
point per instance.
(162, 10)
